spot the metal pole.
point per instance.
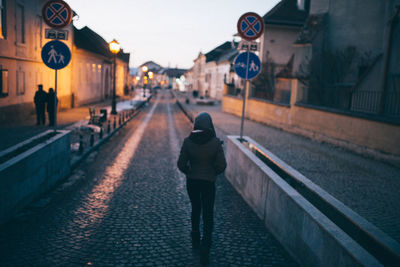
(243, 109)
(244, 95)
(55, 104)
(113, 104)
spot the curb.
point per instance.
(185, 111)
(85, 154)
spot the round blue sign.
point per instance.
(56, 55)
(247, 65)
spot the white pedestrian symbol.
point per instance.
(253, 66)
(53, 54)
(61, 58)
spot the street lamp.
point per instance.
(144, 70)
(150, 80)
(114, 48)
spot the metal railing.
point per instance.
(362, 101)
(370, 102)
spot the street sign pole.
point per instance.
(250, 27)
(243, 109)
(245, 88)
(55, 55)
(55, 104)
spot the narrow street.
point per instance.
(127, 206)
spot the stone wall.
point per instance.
(355, 133)
(30, 173)
(306, 233)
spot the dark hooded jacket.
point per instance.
(202, 156)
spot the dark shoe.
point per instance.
(204, 256)
(195, 239)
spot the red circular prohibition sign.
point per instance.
(250, 26)
(57, 13)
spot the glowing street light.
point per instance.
(144, 70)
(114, 48)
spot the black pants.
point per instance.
(202, 196)
(51, 117)
(40, 118)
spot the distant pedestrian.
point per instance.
(201, 159)
(51, 106)
(40, 102)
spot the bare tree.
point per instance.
(327, 75)
(264, 83)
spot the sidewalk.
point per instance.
(18, 131)
(369, 187)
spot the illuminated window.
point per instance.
(3, 25)
(20, 24)
(20, 82)
(3, 82)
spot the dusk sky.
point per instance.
(171, 33)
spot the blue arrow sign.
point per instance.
(56, 55)
(247, 65)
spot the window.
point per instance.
(3, 82)
(3, 25)
(20, 82)
(20, 22)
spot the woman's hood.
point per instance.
(203, 129)
(204, 122)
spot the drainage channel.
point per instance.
(363, 237)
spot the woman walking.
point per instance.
(201, 159)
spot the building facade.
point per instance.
(211, 71)
(86, 79)
(343, 75)
(199, 74)
(22, 37)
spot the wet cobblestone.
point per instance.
(127, 206)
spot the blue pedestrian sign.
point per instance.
(56, 55)
(247, 65)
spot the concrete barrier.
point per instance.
(32, 172)
(305, 232)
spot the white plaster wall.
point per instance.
(199, 74)
(223, 70)
(278, 43)
(88, 76)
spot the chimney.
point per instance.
(301, 4)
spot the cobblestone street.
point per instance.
(127, 206)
